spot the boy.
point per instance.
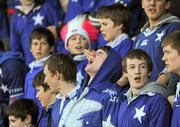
(22, 113)
(29, 15)
(41, 45)
(145, 105)
(160, 24)
(79, 34)
(46, 99)
(115, 29)
(12, 76)
(99, 101)
(171, 49)
(60, 75)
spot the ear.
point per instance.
(58, 76)
(28, 120)
(120, 27)
(168, 4)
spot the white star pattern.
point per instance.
(107, 123)
(79, 77)
(177, 92)
(159, 36)
(1, 72)
(4, 88)
(139, 113)
(38, 19)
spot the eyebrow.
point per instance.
(139, 64)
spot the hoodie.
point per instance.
(99, 102)
(12, 75)
(148, 108)
(150, 40)
(176, 110)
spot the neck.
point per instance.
(27, 9)
(154, 22)
(68, 87)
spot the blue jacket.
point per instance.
(122, 44)
(74, 8)
(29, 90)
(4, 31)
(98, 104)
(45, 118)
(148, 109)
(176, 109)
(61, 103)
(22, 25)
(150, 41)
(12, 75)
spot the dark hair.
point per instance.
(137, 54)
(118, 13)
(40, 33)
(1, 45)
(105, 48)
(172, 39)
(39, 81)
(23, 107)
(38, 2)
(64, 64)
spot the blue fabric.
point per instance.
(99, 102)
(74, 8)
(12, 75)
(176, 109)
(4, 32)
(45, 116)
(151, 43)
(124, 47)
(81, 73)
(56, 113)
(1, 115)
(22, 25)
(145, 111)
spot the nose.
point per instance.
(39, 46)
(164, 58)
(137, 70)
(101, 28)
(37, 95)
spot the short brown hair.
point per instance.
(137, 54)
(118, 13)
(41, 32)
(172, 39)
(39, 81)
(23, 107)
(63, 64)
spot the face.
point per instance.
(137, 73)
(155, 8)
(40, 48)
(95, 61)
(26, 2)
(108, 30)
(77, 43)
(171, 59)
(45, 97)
(16, 122)
(51, 80)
